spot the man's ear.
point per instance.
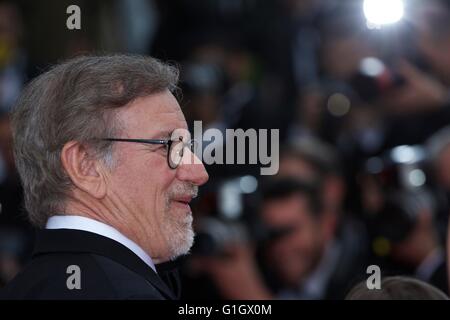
(86, 172)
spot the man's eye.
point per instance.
(158, 148)
(164, 147)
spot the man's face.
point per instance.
(152, 197)
(296, 254)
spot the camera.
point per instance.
(401, 178)
(225, 223)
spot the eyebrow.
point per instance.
(166, 134)
(163, 134)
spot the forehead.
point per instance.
(153, 116)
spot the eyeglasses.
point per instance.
(175, 147)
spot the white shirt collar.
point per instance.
(94, 226)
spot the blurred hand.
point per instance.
(235, 274)
(421, 92)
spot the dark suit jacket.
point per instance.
(108, 270)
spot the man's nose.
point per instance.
(191, 169)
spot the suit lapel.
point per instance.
(67, 240)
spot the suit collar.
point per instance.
(66, 240)
(91, 225)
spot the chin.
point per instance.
(182, 245)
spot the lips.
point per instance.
(182, 202)
(185, 199)
(181, 207)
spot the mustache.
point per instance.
(185, 189)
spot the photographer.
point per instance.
(300, 257)
(305, 260)
(401, 207)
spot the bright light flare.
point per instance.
(382, 12)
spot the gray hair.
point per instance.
(75, 101)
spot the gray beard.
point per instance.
(179, 235)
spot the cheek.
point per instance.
(284, 248)
(144, 180)
(306, 240)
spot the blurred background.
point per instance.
(360, 91)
